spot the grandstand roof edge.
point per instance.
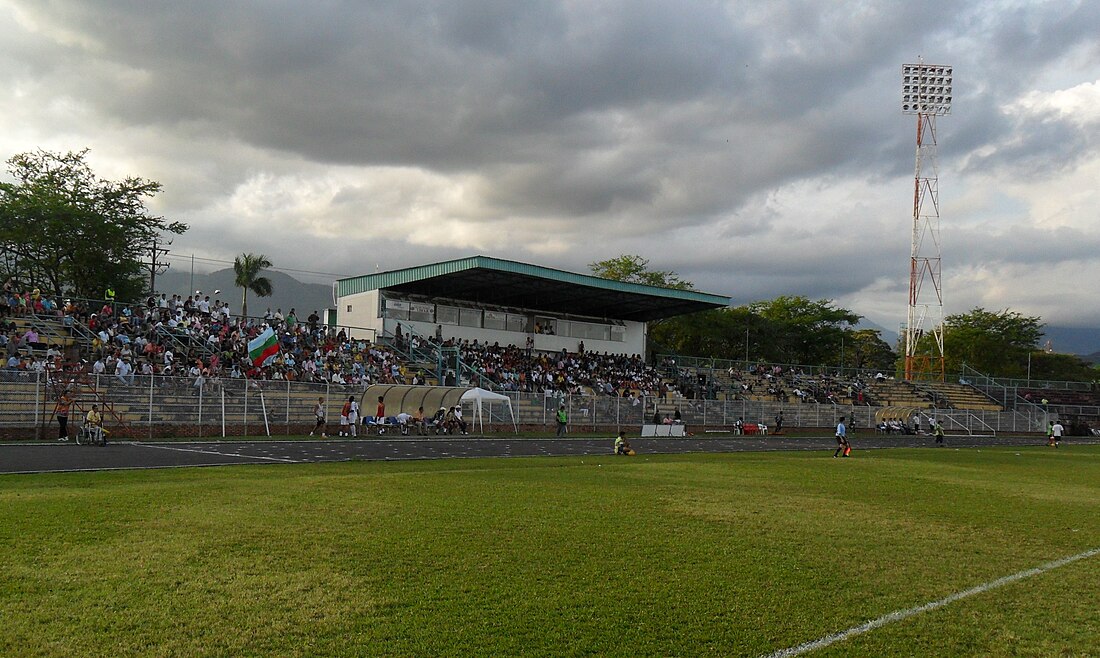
(363, 283)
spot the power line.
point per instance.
(276, 269)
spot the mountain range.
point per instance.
(287, 292)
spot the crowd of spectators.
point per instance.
(785, 384)
(200, 340)
(523, 369)
(195, 338)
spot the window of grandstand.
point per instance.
(589, 330)
(446, 315)
(397, 309)
(517, 322)
(496, 320)
(469, 317)
(618, 333)
(544, 325)
(422, 312)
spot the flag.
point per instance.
(263, 347)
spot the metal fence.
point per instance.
(601, 413)
(150, 407)
(157, 406)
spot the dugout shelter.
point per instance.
(501, 301)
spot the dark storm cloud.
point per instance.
(692, 133)
(1041, 147)
(659, 104)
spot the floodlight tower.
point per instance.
(926, 92)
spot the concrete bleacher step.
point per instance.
(962, 396)
(50, 330)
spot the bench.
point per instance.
(663, 430)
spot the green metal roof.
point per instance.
(493, 281)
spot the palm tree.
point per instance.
(248, 268)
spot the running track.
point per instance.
(48, 457)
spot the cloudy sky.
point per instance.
(756, 148)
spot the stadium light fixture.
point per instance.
(926, 89)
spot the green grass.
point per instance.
(721, 555)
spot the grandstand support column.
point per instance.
(152, 379)
(926, 93)
(38, 393)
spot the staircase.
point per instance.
(898, 393)
(959, 396)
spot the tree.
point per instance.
(635, 269)
(864, 349)
(720, 333)
(69, 232)
(247, 268)
(802, 331)
(1060, 367)
(991, 342)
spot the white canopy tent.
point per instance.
(480, 396)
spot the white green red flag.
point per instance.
(263, 347)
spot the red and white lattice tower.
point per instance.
(926, 92)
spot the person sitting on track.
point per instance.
(622, 446)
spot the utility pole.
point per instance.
(155, 266)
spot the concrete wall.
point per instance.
(360, 312)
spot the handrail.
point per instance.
(185, 347)
(45, 325)
(83, 330)
(1018, 382)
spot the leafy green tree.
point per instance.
(864, 349)
(801, 330)
(992, 342)
(635, 269)
(247, 268)
(721, 333)
(68, 231)
(1060, 367)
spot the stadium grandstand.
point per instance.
(504, 302)
(175, 366)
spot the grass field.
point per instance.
(733, 554)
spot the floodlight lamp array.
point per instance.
(926, 89)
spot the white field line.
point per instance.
(127, 468)
(899, 615)
(220, 454)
